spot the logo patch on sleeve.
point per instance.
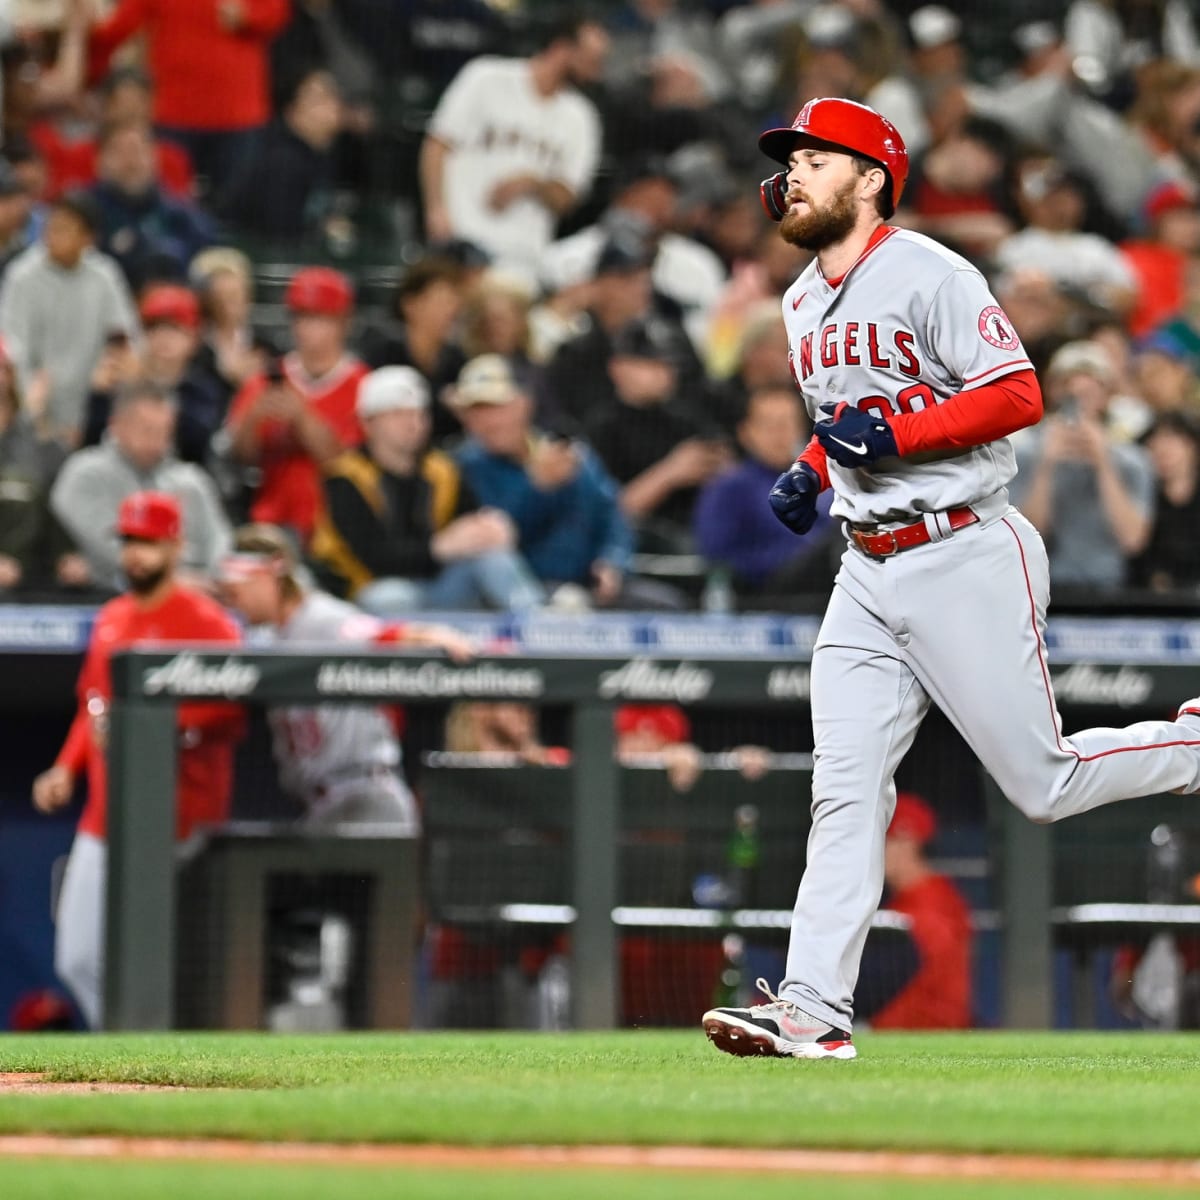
(996, 329)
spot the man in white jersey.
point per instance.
(512, 146)
(340, 761)
(914, 378)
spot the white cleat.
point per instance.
(778, 1029)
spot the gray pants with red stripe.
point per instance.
(958, 623)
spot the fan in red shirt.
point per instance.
(155, 609)
(1161, 259)
(290, 421)
(210, 65)
(938, 994)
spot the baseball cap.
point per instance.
(258, 549)
(151, 516)
(1036, 35)
(390, 388)
(665, 721)
(1081, 358)
(831, 27)
(1167, 197)
(1175, 340)
(170, 304)
(320, 291)
(913, 818)
(932, 25)
(487, 379)
(647, 337)
(625, 250)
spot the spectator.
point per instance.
(660, 733)
(1053, 203)
(16, 210)
(501, 727)
(653, 445)
(496, 320)
(59, 302)
(171, 322)
(1159, 261)
(577, 380)
(646, 196)
(285, 191)
(28, 463)
(1166, 366)
(155, 608)
(761, 360)
(231, 349)
(151, 234)
(210, 64)
(930, 988)
(735, 526)
(562, 501)
(68, 145)
(136, 456)
(1171, 558)
(501, 175)
(401, 529)
(341, 762)
(1090, 496)
(428, 304)
(300, 414)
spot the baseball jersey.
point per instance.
(208, 730)
(498, 125)
(910, 325)
(290, 491)
(323, 745)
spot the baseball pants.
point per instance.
(959, 623)
(79, 926)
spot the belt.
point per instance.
(891, 541)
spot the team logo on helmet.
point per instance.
(996, 329)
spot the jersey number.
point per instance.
(303, 734)
(914, 398)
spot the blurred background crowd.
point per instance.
(477, 300)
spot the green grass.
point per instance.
(1094, 1094)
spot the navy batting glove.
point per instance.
(794, 497)
(853, 438)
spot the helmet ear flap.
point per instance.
(773, 194)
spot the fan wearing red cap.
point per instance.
(300, 414)
(1160, 258)
(661, 732)
(156, 608)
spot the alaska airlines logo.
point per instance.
(642, 679)
(1085, 683)
(190, 675)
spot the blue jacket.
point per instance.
(560, 533)
(735, 526)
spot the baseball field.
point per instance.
(645, 1114)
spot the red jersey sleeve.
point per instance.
(215, 719)
(92, 678)
(814, 455)
(972, 418)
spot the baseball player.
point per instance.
(914, 378)
(340, 761)
(155, 609)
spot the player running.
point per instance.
(340, 761)
(915, 378)
(156, 608)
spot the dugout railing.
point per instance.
(147, 684)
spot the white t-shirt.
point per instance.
(1081, 260)
(497, 125)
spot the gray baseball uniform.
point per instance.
(958, 621)
(340, 760)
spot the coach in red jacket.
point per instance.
(211, 70)
(155, 609)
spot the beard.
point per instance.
(142, 581)
(818, 228)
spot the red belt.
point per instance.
(892, 541)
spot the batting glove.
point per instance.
(853, 438)
(794, 497)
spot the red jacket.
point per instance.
(939, 995)
(206, 761)
(290, 491)
(206, 77)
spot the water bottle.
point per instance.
(1164, 866)
(742, 857)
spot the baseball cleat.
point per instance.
(778, 1029)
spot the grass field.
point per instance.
(1059, 1094)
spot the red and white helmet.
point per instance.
(843, 125)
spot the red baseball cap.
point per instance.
(664, 720)
(321, 291)
(151, 516)
(913, 818)
(170, 303)
(1167, 197)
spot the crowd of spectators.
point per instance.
(571, 387)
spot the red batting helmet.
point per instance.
(151, 516)
(320, 290)
(843, 125)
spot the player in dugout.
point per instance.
(341, 762)
(155, 608)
